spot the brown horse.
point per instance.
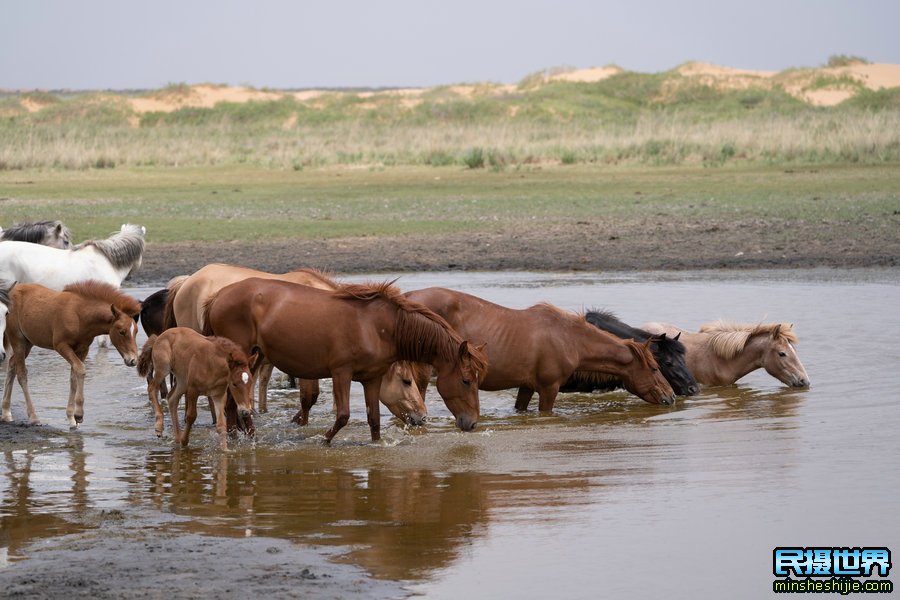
(354, 333)
(66, 321)
(184, 308)
(539, 348)
(722, 352)
(213, 367)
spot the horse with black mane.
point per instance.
(668, 351)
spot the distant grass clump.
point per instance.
(844, 60)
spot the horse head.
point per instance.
(643, 378)
(457, 383)
(122, 334)
(669, 354)
(780, 360)
(240, 382)
(401, 395)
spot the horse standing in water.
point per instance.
(351, 334)
(66, 321)
(668, 352)
(185, 309)
(54, 234)
(540, 348)
(151, 317)
(108, 261)
(722, 352)
(214, 367)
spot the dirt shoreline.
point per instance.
(663, 244)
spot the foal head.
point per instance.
(240, 377)
(401, 395)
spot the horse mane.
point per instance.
(728, 338)
(322, 276)
(34, 232)
(422, 335)
(124, 248)
(104, 292)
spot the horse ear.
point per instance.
(58, 229)
(776, 331)
(463, 349)
(253, 358)
(115, 311)
(677, 335)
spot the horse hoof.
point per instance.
(79, 418)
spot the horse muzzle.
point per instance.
(130, 361)
(465, 423)
(667, 400)
(415, 419)
(800, 382)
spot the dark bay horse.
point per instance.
(213, 367)
(722, 351)
(668, 351)
(540, 348)
(66, 321)
(47, 233)
(351, 334)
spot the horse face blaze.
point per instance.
(122, 336)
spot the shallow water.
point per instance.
(606, 496)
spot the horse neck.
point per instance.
(718, 370)
(96, 317)
(619, 329)
(598, 350)
(98, 267)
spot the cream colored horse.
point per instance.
(722, 352)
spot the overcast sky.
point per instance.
(122, 44)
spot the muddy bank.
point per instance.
(651, 244)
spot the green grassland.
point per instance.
(250, 203)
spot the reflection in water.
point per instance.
(42, 498)
(397, 524)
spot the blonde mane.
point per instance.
(727, 339)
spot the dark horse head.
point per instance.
(669, 352)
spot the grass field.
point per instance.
(241, 202)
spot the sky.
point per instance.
(125, 44)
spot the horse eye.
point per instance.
(467, 382)
(782, 354)
(407, 382)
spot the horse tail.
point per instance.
(169, 311)
(145, 361)
(207, 308)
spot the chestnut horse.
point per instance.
(213, 367)
(66, 321)
(722, 352)
(668, 352)
(353, 333)
(540, 348)
(184, 308)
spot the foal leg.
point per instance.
(523, 398)
(190, 415)
(16, 367)
(340, 383)
(155, 384)
(309, 394)
(75, 408)
(175, 395)
(221, 421)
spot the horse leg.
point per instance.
(75, 408)
(190, 415)
(372, 390)
(7, 391)
(547, 397)
(340, 383)
(264, 375)
(16, 367)
(309, 394)
(155, 383)
(221, 421)
(523, 398)
(175, 395)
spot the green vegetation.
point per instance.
(251, 203)
(630, 118)
(843, 60)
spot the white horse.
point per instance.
(110, 260)
(49, 233)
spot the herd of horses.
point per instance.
(221, 331)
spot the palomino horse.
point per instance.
(540, 348)
(353, 333)
(48, 233)
(184, 308)
(722, 352)
(213, 367)
(66, 321)
(108, 261)
(668, 352)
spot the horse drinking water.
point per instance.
(66, 321)
(722, 352)
(351, 334)
(540, 348)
